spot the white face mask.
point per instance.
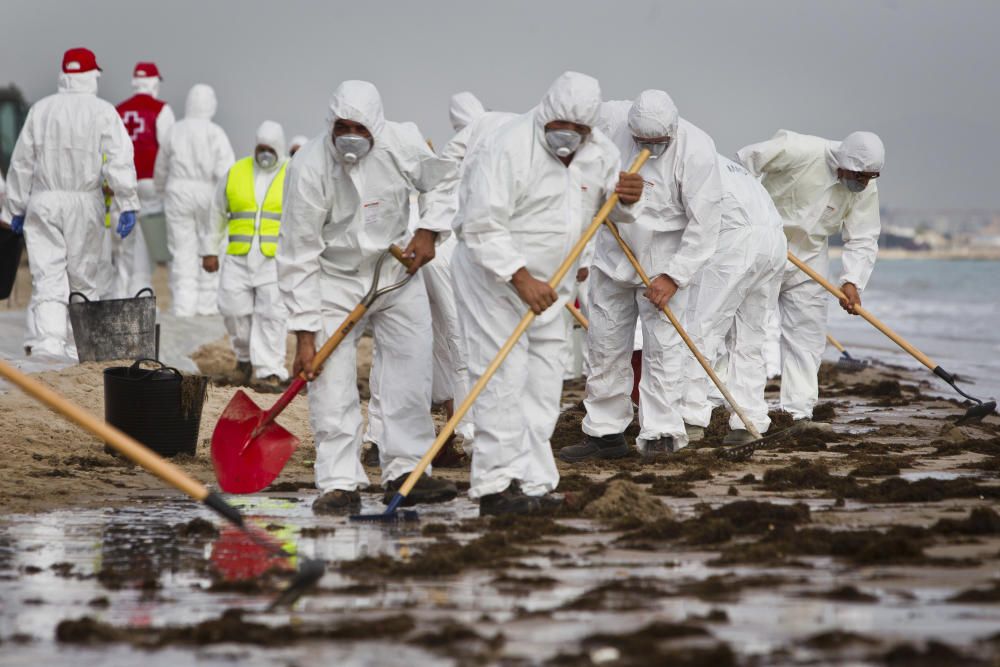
(267, 159)
(853, 185)
(655, 148)
(563, 142)
(352, 147)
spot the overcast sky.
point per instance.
(923, 75)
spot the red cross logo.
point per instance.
(135, 124)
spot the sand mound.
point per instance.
(627, 501)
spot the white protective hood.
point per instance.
(298, 140)
(360, 102)
(146, 85)
(83, 82)
(465, 108)
(653, 114)
(860, 151)
(201, 102)
(272, 135)
(574, 97)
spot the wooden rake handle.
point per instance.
(522, 326)
(874, 321)
(683, 334)
(578, 316)
(836, 343)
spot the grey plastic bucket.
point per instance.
(154, 231)
(114, 328)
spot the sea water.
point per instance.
(948, 309)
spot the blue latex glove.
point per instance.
(17, 224)
(126, 221)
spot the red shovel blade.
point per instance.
(243, 465)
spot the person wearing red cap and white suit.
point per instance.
(148, 120)
(71, 143)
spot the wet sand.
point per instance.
(878, 544)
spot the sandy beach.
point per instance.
(878, 544)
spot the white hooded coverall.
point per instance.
(297, 142)
(130, 265)
(674, 235)
(451, 373)
(195, 157)
(732, 297)
(249, 299)
(56, 173)
(520, 206)
(800, 173)
(465, 108)
(337, 219)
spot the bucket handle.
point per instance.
(81, 294)
(137, 366)
(145, 289)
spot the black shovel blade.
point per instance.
(977, 413)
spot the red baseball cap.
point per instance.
(146, 70)
(78, 60)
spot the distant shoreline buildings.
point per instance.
(938, 234)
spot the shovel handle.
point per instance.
(339, 335)
(684, 336)
(322, 355)
(874, 321)
(121, 442)
(522, 326)
(397, 252)
(300, 381)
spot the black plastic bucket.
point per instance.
(159, 407)
(114, 328)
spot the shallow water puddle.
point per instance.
(153, 565)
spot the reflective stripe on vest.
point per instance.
(244, 212)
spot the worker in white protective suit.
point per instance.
(71, 143)
(297, 142)
(451, 373)
(525, 200)
(347, 198)
(246, 216)
(464, 108)
(732, 297)
(190, 164)
(147, 120)
(820, 188)
(673, 237)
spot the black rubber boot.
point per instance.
(427, 490)
(509, 501)
(337, 502)
(592, 448)
(658, 447)
(242, 373)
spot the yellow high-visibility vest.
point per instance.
(244, 211)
